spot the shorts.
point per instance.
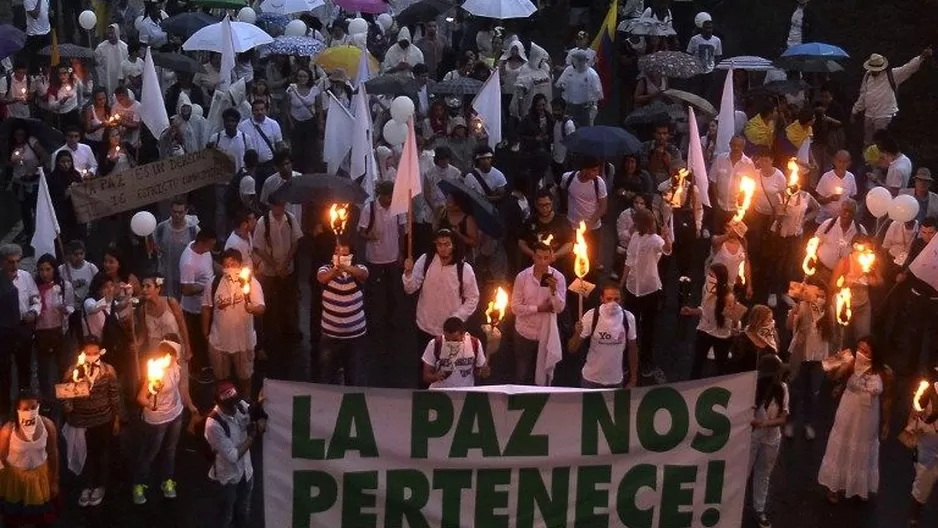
(924, 482)
(224, 362)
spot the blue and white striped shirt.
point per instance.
(343, 309)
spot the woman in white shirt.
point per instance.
(730, 251)
(642, 283)
(625, 228)
(304, 116)
(97, 307)
(719, 314)
(811, 324)
(63, 97)
(56, 297)
(113, 157)
(97, 119)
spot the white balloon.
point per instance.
(359, 40)
(357, 25)
(394, 132)
(904, 208)
(296, 28)
(877, 201)
(384, 20)
(143, 223)
(402, 109)
(87, 20)
(247, 15)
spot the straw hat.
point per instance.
(876, 63)
(924, 174)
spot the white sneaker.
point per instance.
(705, 234)
(773, 301)
(710, 355)
(84, 498)
(789, 430)
(809, 432)
(97, 495)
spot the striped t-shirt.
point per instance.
(343, 309)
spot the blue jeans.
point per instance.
(157, 441)
(805, 389)
(346, 353)
(235, 504)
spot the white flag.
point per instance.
(47, 225)
(695, 158)
(804, 151)
(925, 265)
(152, 107)
(488, 104)
(227, 55)
(726, 127)
(363, 74)
(339, 128)
(407, 185)
(363, 162)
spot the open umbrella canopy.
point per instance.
(244, 36)
(500, 9)
(675, 64)
(392, 85)
(288, 7)
(321, 188)
(746, 62)
(344, 57)
(816, 50)
(48, 136)
(178, 62)
(12, 39)
(186, 24)
(485, 214)
(655, 112)
(808, 64)
(457, 86)
(375, 7)
(221, 4)
(299, 46)
(694, 100)
(604, 142)
(424, 11)
(69, 51)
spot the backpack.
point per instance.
(595, 322)
(267, 227)
(564, 201)
(438, 348)
(199, 431)
(460, 264)
(479, 178)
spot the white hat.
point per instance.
(702, 17)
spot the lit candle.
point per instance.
(581, 261)
(79, 371)
(156, 369)
(496, 310)
(244, 277)
(747, 187)
(794, 182)
(866, 257)
(742, 273)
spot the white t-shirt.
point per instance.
(642, 258)
(168, 400)
(131, 68)
(494, 179)
(37, 26)
(195, 269)
(604, 359)
(705, 51)
(80, 279)
(243, 246)
(458, 358)
(899, 172)
(770, 435)
(768, 195)
(583, 198)
(562, 129)
(831, 184)
(232, 326)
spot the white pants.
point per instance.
(925, 477)
(761, 463)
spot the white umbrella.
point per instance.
(244, 36)
(500, 9)
(288, 7)
(746, 62)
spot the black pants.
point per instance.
(702, 344)
(97, 465)
(760, 258)
(27, 203)
(525, 359)
(303, 145)
(423, 339)
(198, 342)
(382, 295)
(685, 238)
(34, 43)
(18, 347)
(281, 322)
(645, 309)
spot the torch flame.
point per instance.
(742, 273)
(338, 216)
(581, 262)
(794, 181)
(747, 186)
(244, 276)
(547, 240)
(809, 266)
(496, 309)
(866, 258)
(156, 368)
(843, 309)
(677, 194)
(81, 365)
(916, 401)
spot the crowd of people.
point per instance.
(397, 300)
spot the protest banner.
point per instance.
(150, 183)
(670, 456)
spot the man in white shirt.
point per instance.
(587, 201)
(16, 90)
(725, 173)
(538, 295)
(766, 207)
(196, 270)
(899, 173)
(835, 186)
(242, 237)
(382, 231)
(284, 174)
(453, 359)
(610, 330)
(21, 306)
(447, 287)
(151, 33)
(38, 28)
(707, 49)
(835, 238)
(265, 136)
(582, 89)
(877, 102)
(83, 157)
(484, 178)
(108, 57)
(927, 200)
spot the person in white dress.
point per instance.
(850, 466)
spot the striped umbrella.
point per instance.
(746, 62)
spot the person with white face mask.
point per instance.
(811, 324)
(29, 466)
(719, 314)
(609, 329)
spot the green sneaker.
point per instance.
(140, 494)
(169, 488)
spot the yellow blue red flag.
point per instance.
(604, 46)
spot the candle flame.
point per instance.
(80, 365)
(919, 392)
(581, 262)
(866, 258)
(338, 216)
(809, 266)
(843, 298)
(747, 187)
(742, 273)
(156, 368)
(496, 309)
(677, 188)
(245, 277)
(794, 181)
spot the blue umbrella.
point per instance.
(604, 142)
(300, 46)
(273, 23)
(12, 40)
(816, 50)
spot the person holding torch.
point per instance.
(922, 429)
(859, 271)
(538, 295)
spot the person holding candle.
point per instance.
(759, 338)
(91, 423)
(798, 209)
(55, 295)
(83, 158)
(64, 97)
(761, 218)
(811, 322)
(342, 343)
(159, 315)
(679, 207)
(16, 90)
(113, 156)
(834, 187)
(29, 467)
(859, 279)
(97, 118)
(719, 314)
(730, 250)
(725, 173)
(161, 423)
(850, 466)
(26, 158)
(610, 331)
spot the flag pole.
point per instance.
(410, 225)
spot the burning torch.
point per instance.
(677, 188)
(156, 369)
(581, 266)
(866, 257)
(842, 307)
(794, 179)
(338, 217)
(493, 317)
(80, 372)
(809, 265)
(747, 187)
(919, 393)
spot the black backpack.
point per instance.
(460, 264)
(564, 202)
(204, 447)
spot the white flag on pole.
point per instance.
(363, 74)
(152, 107)
(695, 158)
(407, 185)
(47, 225)
(488, 104)
(227, 55)
(726, 127)
(363, 164)
(804, 152)
(339, 128)
(925, 265)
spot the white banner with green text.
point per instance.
(670, 456)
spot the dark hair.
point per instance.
(559, 102)
(765, 108)
(100, 90)
(761, 151)
(281, 156)
(482, 150)
(453, 324)
(133, 46)
(97, 282)
(154, 276)
(206, 234)
(443, 152)
(805, 116)
(75, 245)
(420, 69)
(242, 215)
(122, 273)
(90, 340)
(230, 113)
(232, 253)
(255, 102)
(825, 324)
(544, 193)
(879, 364)
(889, 146)
(179, 199)
(930, 221)
(61, 154)
(72, 128)
(587, 162)
(722, 289)
(610, 285)
(251, 158)
(120, 90)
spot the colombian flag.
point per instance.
(604, 46)
(54, 58)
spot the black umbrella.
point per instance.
(178, 62)
(69, 51)
(393, 85)
(653, 113)
(808, 64)
(424, 11)
(457, 86)
(604, 142)
(48, 136)
(321, 188)
(185, 24)
(12, 40)
(484, 212)
(790, 86)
